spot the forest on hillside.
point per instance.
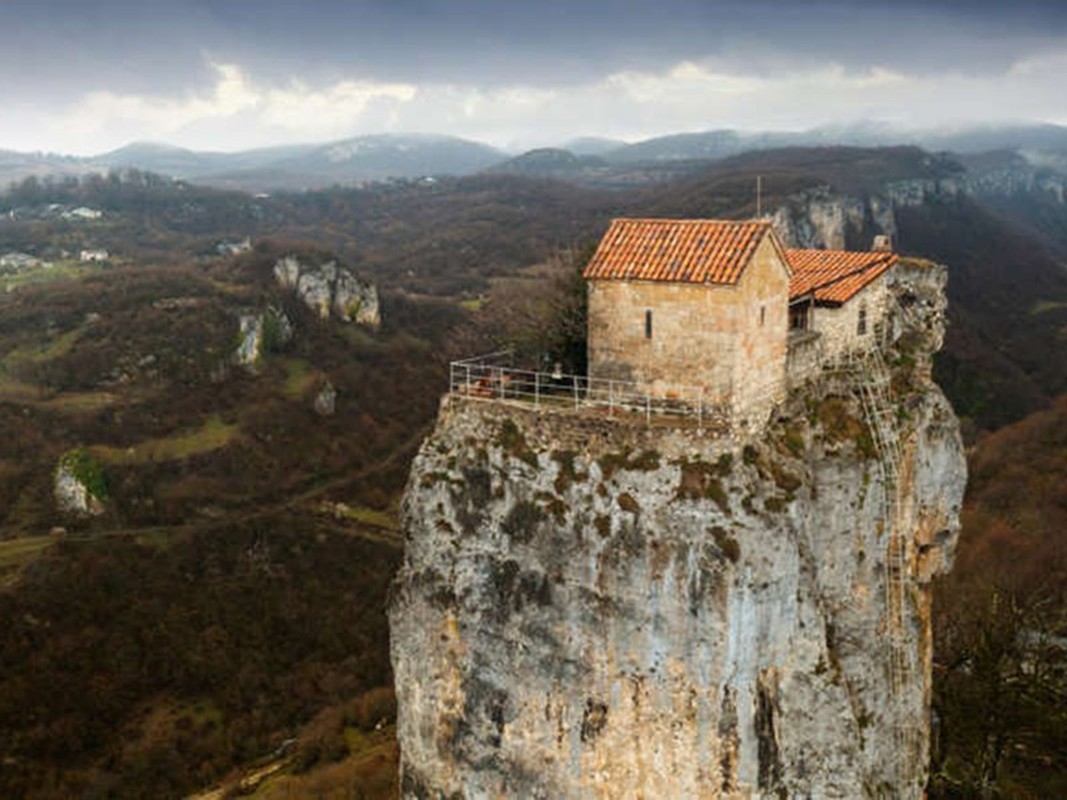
(226, 609)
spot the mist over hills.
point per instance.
(364, 159)
(592, 145)
(965, 140)
(354, 161)
(178, 162)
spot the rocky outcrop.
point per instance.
(821, 218)
(78, 485)
(260, 334)
(330, 291)
(592, 608)
(325, 404)
(818, 219)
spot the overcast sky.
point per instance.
(85, 76)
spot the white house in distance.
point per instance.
(94, 255)
(83, 213)
(722, 305)
(235, 247)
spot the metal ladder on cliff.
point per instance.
(873, 382)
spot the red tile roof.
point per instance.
(834, 276)
(678, 250)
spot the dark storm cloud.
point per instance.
(66, 46)
(553, 40)
(81, 76)
(60, 48)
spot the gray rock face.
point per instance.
(71, 495)
(822, 219)
(330, 291)
(71, 490)
(590, 608)
(259, 334)
(251, 339)
(818, 219)
(325, 404)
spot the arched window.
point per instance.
(861, 322)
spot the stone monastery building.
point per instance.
(723, 306)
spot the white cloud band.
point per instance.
(238, 112)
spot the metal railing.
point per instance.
(492, 378)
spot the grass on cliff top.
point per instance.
(214, 434)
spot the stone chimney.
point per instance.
(883, 243)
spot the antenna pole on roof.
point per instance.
(759, 196)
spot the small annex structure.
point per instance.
(723, 305)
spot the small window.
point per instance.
(762, 315)
(861, 322)
(798, 317)
(648, 324)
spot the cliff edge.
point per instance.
(595, 608)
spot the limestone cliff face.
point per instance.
(260, 333)
(590, 608)
(330, 291)
(78, 485)
(821, 218)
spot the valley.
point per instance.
(226, 596)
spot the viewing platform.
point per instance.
(493, 378)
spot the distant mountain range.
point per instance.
(366, 159)
(351, 161)
(717, 144)
(295, 167)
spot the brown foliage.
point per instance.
(1000, 621)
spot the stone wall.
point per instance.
(805, 358)
(685, 318)
(759, 368)
(728, 339)
(839, 327)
